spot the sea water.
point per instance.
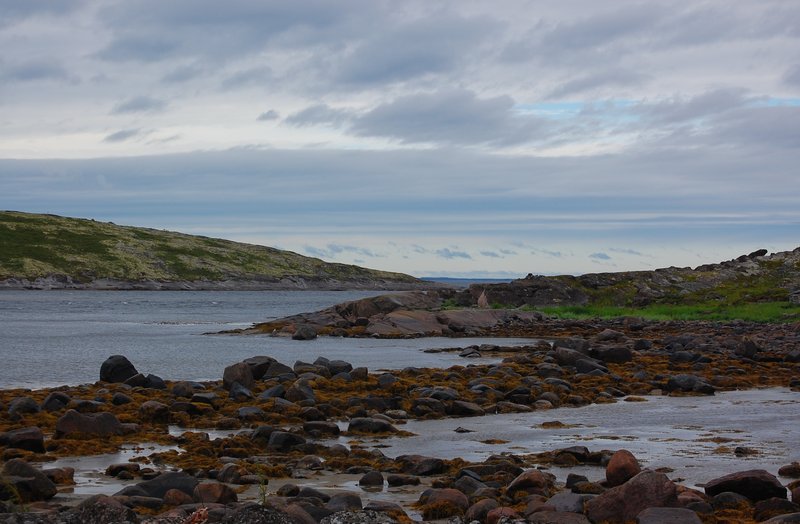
(52, 338)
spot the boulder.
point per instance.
(29, 483)
(22, 406)
(791, 518)
(480, 510)
(565, 501)
(277, 369)
(55, 401)
(623, 503)
(556, 517)
(420, 465)
(159, 486)
(239, 393)
(622, 467)
(259, 365)
(533, 482)
(370, 425)
(668, 516)
(104, 424)
(614, 355)
(239, 372)
(117, 368)
(448, 496)
(284, 441)
(689, 384)
(101, 509)
(154, 411)
(396, 479)
(30, 438)
(773, 507)
(755, 484)
(299, 391)
(358, 517)
(344, 502)
(255, 513)
(304, 332)
(371, 479)
(462, 408)
(214, 492)
(277, 391)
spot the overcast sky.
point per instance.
(434, 138)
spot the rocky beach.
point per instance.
(260, 443)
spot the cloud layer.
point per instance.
(455, 137)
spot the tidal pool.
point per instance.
(693, 436)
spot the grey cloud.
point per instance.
(256, 76)
(792, 76)
(608, 77)
(139, 104)
(182, 74)
(333, 249)
(12, 11)
(450, 253)
(121, 136)
(315, 251)
(771, 127)
(430, 44)
(448, 117)
(137, 48)
(600, 256)
(490, 254)
(343, 248)
(602, 29)
(554, 254)
(236, 29)
(680, 109)
(33, 71)
(266, 116)
(627, 251)
(508, 252)
(320, 114)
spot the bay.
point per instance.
(52, 338)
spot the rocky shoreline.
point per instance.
(283, 420)
(64, 282)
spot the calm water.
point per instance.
(51, 338)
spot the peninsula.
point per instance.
(54, 252)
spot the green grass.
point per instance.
(756, 312)
(34, 246)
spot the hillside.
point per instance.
(757, 277)
(47, 251)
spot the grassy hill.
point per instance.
(78, 252)
(757, 278)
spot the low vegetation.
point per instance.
(755, 312)
(39, 246)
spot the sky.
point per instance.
(437, 138)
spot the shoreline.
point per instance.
(290, 411)
(286, 284)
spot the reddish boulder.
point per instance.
(648, 489)
(668, 516)
(480, 509)
(622, 467)
(494, 516)
(755, 484)
(214, 492)
(532, 481)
